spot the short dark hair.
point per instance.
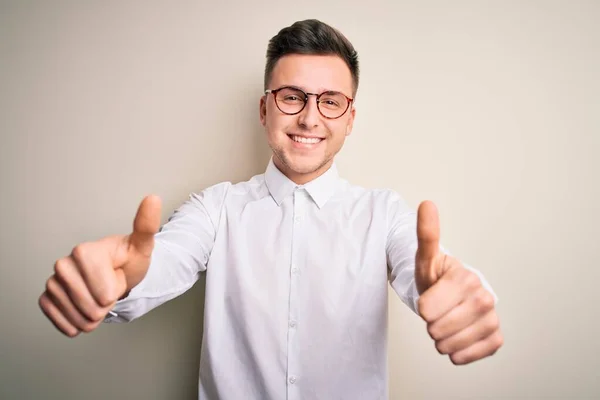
(311, 36)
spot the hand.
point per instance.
(87, 283)
(460, 313)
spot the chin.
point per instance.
(303, 165)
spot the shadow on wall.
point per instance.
(156, 356)
(178, 324)
(241, 131)
(246, 94)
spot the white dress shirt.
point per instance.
(296, 284)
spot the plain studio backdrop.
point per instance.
(489, 108)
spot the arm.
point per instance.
(401, 249)
(454, 299)
(181, 252)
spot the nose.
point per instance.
(309, 117)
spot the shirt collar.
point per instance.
(320, 189)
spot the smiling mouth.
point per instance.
(305, 140)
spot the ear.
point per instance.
(262, 110)
(350, 121)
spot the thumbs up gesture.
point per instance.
(87, 283)
(460, 313)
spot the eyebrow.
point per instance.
(321, 90)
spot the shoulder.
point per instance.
(380, 198)
(218, 194)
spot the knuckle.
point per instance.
(97, 314)
(80, 251)
(471, 280)
(484, 300)
(433, 332)
(42, 302)
(497, 341)
(440, 347)
(424, 309)
(49, 285)
(88, 327)
(107, 294)
(457, 274)
(494, 323)
(72, 332)
(60, 268)
(103, 299)
(456, 359)
(52, 287)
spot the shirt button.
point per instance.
(292, 379)
(297, 218)
(294, 270)
(292, 324)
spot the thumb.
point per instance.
(146, 225)
(428, 231)
(428, 236)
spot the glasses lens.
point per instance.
(290, 100)
(333, 104)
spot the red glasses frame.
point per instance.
(306, 94)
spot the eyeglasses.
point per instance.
(291, 101)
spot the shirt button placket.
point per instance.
(299, 209)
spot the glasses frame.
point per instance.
(306, 94)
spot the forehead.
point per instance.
(313, 73)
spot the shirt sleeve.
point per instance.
(181, 252)
(401, 249)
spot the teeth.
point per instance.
(301, 139)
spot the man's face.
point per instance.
(287, 134)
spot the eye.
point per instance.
(290, 96)
(330, 102)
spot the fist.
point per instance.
(87, 283)
(460, 313)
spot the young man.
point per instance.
(297, 259)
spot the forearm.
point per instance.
(171, 273)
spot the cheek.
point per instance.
(278, 124)
(337, 130)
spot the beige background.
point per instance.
(489, 108)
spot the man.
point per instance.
(297, 260)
